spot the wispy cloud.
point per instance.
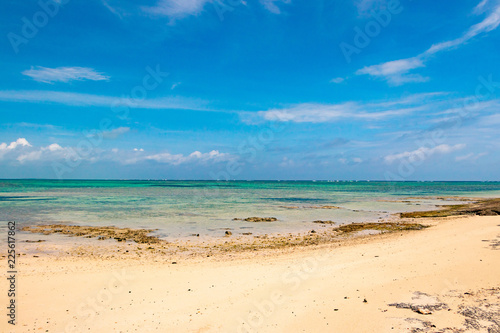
(479, 9)
(320, 113)
(469, 157)
(176, 159)
(423, 153)
(79, 99)
(64, 74)
(337, 80)
(37, 126)
(179, 9)
(176, 8)
(115, 133)
(271, 5)
(398, 71)
(365, 7)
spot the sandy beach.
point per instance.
(444, 278)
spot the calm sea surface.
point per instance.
(182, 208)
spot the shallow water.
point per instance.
(183, 208)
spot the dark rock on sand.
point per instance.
(257, 219)
(324, 222)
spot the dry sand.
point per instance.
(451, 270)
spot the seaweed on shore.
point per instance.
(119, 234)
(385, 226)
(484, 207)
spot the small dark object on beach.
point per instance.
(324, 222)
(365, 301)
(313, 231)
(174, 262)
(258, 219)
(228, 233)
(37, 241)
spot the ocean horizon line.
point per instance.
(256, 180)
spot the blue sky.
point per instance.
(264, 89)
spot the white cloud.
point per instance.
(365, 7)
(488, 24)
(469, 157)
(19, 142)
(23, 152)
(271, 5)
(176, 8)
(115, 133)
(319, 113)
(52, 152)
(423, 153)
(79, 99)
(7, 148)
(179, 9)
(397, 71)
(479, 9)
(64, 74)
(54, 147)
(287, 162)
(491, 120)
(337, 80)
(213, 156)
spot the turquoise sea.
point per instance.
(182, 208)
